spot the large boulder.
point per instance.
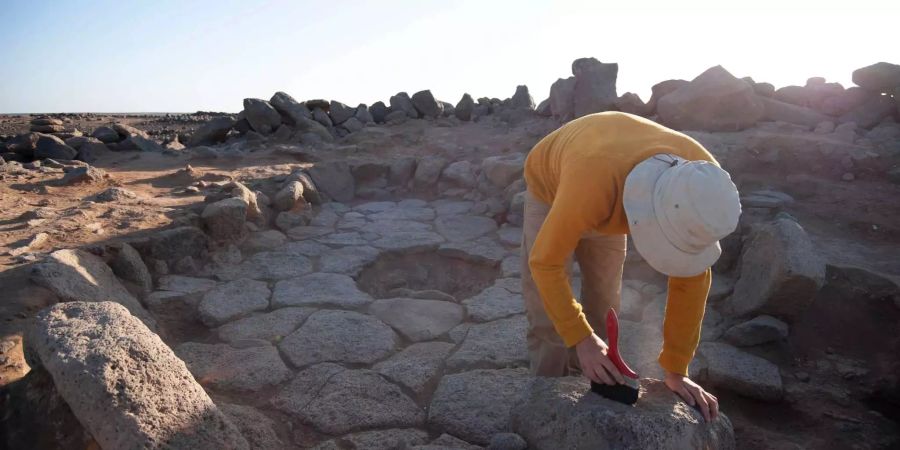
(879, 77)
(212, 132)
(464, 108)
(106, 135)
(781, 272)
(334, 179)
(503, 169)
(426, 105)
(662, 89)
(785, 112)
(730, 368)
(595, 86)
(402, 102)
(562, 95)
(123, 383)
(24, 144)
(50, 146)
(289, 108)
(78, 276)
(563, 413)
(340, 112)
(378, 110)
(631, 103)
(714, 101)
(263, 118)
(871, 112)
(224, 219)
(522, 99)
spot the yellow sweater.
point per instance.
(580, 170)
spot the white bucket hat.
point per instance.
(678, 210)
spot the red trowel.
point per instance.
(628, 392)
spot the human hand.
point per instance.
(595, 364)
(693, 394)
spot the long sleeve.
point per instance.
(583, 198)
(685, 307)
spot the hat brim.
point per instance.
(645, 230)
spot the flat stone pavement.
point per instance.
(293, 337)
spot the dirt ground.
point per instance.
(854, 224)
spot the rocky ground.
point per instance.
(318, 275)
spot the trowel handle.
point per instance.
(612, 333)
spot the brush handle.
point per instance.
(612, 333)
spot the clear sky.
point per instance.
(184, 56)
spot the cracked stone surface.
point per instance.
(416, 366)
(476, 405)
(418, 319)
(458, 228)
(495, 302)
(319, 289)
(234, 299)
(348, 260)
(223, 367)
(496, 344)
(335, 400)
(339, 336)
(270, 326)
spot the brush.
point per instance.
(628, 392)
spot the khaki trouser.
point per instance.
(601, 259)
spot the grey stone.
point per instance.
(263, 118)
(408, 241)
(464, 108)
(448, 442)
(335, 400)
(320, 289)
(414, 213)
(391, 439)
(402, 102)
(511, 236)
(426, 105)
(174, 244)
(334, 179)
(418, 319)
(563, 413)
(363, 115)
(290, 109)
(339, 336)
(233, 300)
(272, 326)
(127, 264)
(258, 430)
(496, 344)
(714, 101)
(127, 131)
(879, 77)
(459, 228)
(121, 380)
(139, 143)
(277, 265)
(50, 146)
(379, 111)
(476, 405)
(732, 369)
(224, 219)
(502, 170)
(511, 266)
(460, 174)
(342, 239)
(353, 125)
(522, 99)
(212, 132)
(778, 111)
(340, 112)
(115, 194)
(781, 272)
(79, 276)
(288, 197)
(106, 135)
(428, 170)
(186, 285)
(562, 97)
(348, 260)
(223, 367)
(264, 240)
(481, 250)
(759, 330)
(507, 441)
(83, 175)
(494, 303)
(417, 366)
(870, 113)
(595, 86)
(446, 207)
